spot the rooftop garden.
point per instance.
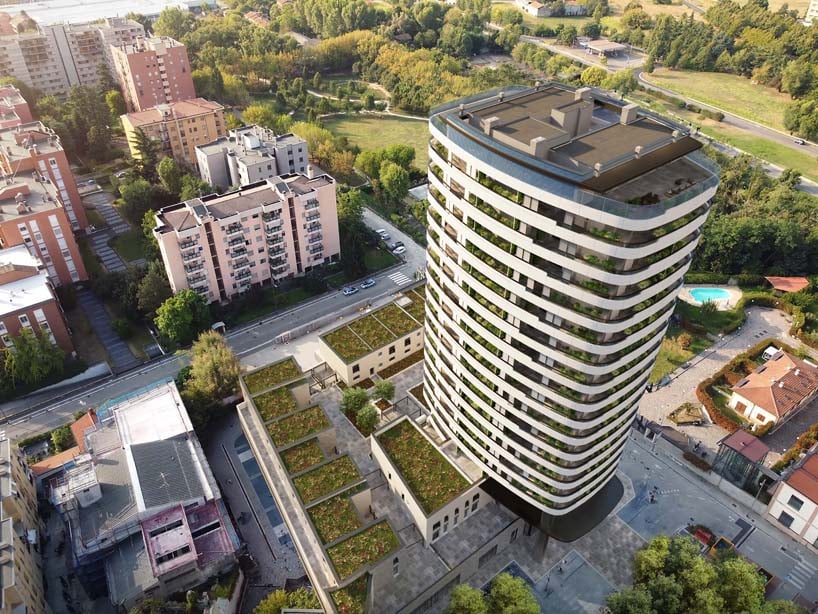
(303, 456)
(372, 331)
(402, 364)
(417, 308)
(293, 428)
(334, 518)
(352, 598)
(325, 479)
(275, 403)
(398, 321)
(272, 375)
(431, 477)
(366, 547)
(347, 344)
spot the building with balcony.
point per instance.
(70, 11)
(21, 588)
(177, 127)
(143, 513)
(28, 301)
(794, 502)
(58, 56)
(250, 154)
(223, 245)
(14, 109)
(561, 224)
(153, 71)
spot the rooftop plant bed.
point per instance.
(372, 331)
(335, 518)
(326, 479)
(272, 375)
(431, 477)
(364, 548)
(346, 344)
(417, 392)
(275, 403)
(417, 308)
(352, 598)
(292, 428)
(403, 363)
(397, 320)
(303, 456)
(365, 383)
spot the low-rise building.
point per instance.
(153, 71)
(14, 109)
(250, 154)
(794, 502)
(27, 300)
(534, 8)
(223, 245)
(776, 390)
(21, 589)
(177, 127)
(144, 515)
(257, 18)
(368, 344)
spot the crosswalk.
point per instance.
(801, 574)
(400, 278)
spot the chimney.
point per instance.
(629, 114)
(310, 172)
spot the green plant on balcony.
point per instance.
(608, 264)
(595, 286)
(606, 234)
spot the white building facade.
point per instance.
(561, 224)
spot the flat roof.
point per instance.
(267, 141)
(48, 12)
(27, 291)
(157, 414)
(182, 109)
(16, 141)
(603, 45)
(149, 43)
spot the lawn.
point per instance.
(303, 456)
(326, 479)
(272, 300)
(334, 518)
(293, 428)
(272, 375)
(352, 598)
(128, 245)
(276, 403)
(672, 354)
(368, 132)
(95, 218)
(377, 259)
(364, 548)
(732, 93)
(431, 477)
(89, 258)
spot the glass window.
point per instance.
(785, 519)
(795, 503)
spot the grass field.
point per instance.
(729, 92)
(672, 355)
(128, 245)
(372, 132)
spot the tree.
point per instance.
(137, 197)
(170, 175)
(174, 22)
(383, 389)
(62, 438)
(34, 358)
(116, 104)
(352, 400)
(369, 162)
(466, 599)
(649, 64)
(214, 368)
(510, 595)
(145, 155)
(631, 601)
(262, 114)
(798, 78)
(402, 155)
(394, 181)
(279, 599)
(367, 418)
(593, 76)
(622, 81)
(181, 317)
(154, 289)
(193, 187)
(567, 36)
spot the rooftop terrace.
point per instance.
(15, 142)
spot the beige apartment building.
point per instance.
(222, 245)
(178, 127)
(54, 58)
(153, 71)
(22, 578)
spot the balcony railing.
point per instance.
(184, 245)
(233, 229)
(243, 275)
(190, 257)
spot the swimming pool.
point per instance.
(702, 295)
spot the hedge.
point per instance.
(697, 461)
(744, 280)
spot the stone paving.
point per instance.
(761, 323)
(103, 203)
(120, 355)
(782, 438)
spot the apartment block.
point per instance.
(561, 224)
(178, 127)
(812, 12)
(153, 71)
(250, 154)
(222, 245)
(28, 300)
(14, 109)
(53, 58)
(143, 515)
(22, 587)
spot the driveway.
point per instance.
(760, 323)
(782, 438)
(119, 353)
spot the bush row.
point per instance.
(744, 280)
(697, 461)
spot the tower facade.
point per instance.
(561, 224)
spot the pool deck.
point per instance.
(723, 305)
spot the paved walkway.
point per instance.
(761, 323)
(103, 203)
(120, 355)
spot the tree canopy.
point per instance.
(181, 317)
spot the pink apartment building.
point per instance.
(221, 246)
(153, 71)
(14, 109)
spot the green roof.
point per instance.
(363, 548)
(272, 375)
(326, 479)
(295, 426)
(429, 475)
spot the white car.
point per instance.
(350, 290)
(399, 250)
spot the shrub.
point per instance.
(684, 340)
(122, 328)
(353, 400)
(697, 461)
(706, 278)
(383, 389)
(367, 418)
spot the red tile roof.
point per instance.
(751, 448)
(805, 478)
(80, 426)
(56, 461)
(779, 385)
(788, 284)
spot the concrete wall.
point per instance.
(370, 364)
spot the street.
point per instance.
(51, 409)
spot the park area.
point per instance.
(377, 131)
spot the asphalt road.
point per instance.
(36, 414)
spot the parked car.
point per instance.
(395, 245)
(367, 283)
(350, 290)
(799, 142)
(120, 174)
(383, 235)
(399, 250)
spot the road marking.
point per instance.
(400, 278)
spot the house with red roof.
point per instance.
(794, 503)
(776, 390)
